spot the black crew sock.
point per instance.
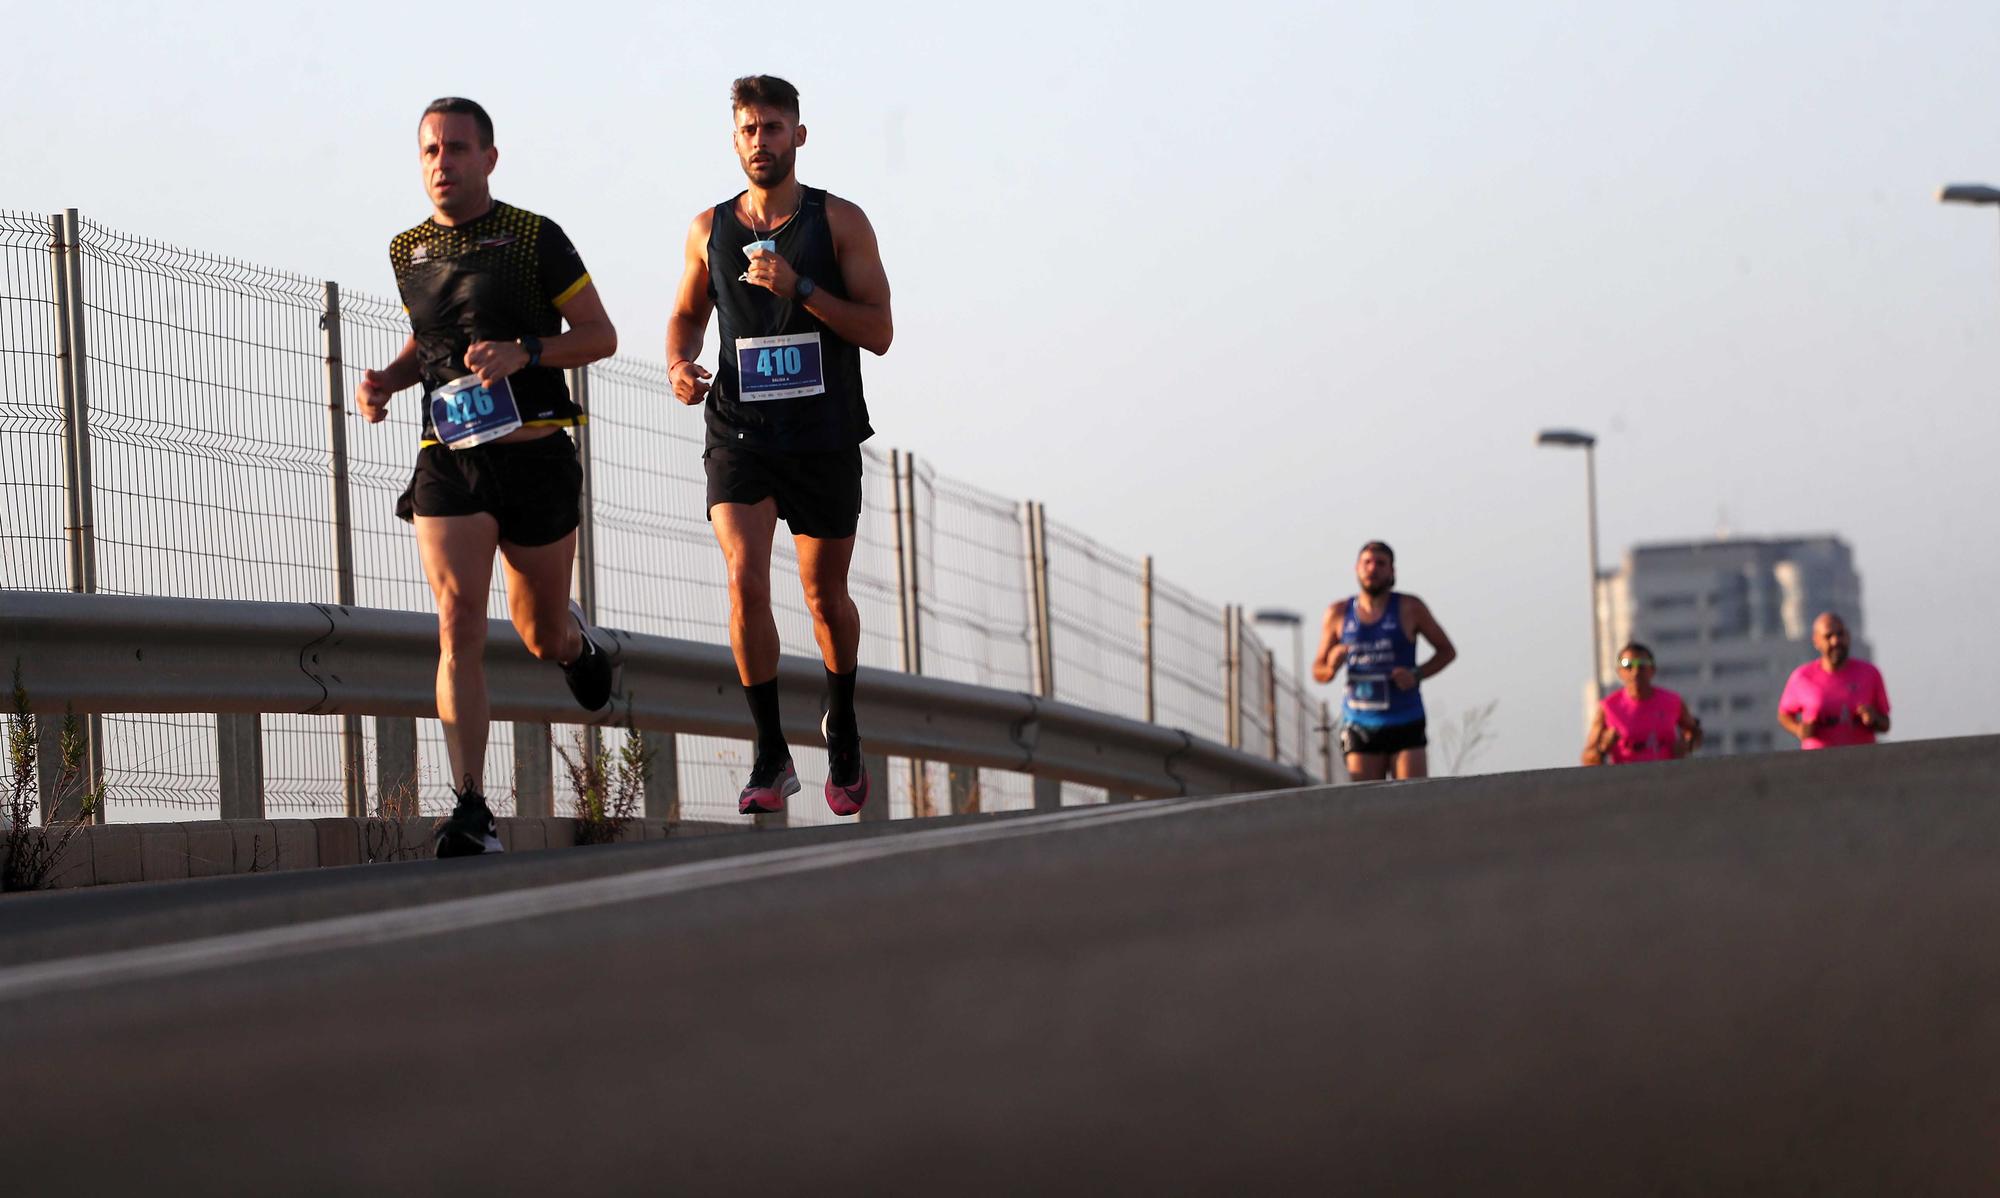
(771, 746)
(840, 705)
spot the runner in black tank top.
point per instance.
(797, 280)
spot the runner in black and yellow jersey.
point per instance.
(798, 281)
(488, 288)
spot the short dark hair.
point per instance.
(765, 91)
(1381, 547)
(460, 106)
(1636, 647)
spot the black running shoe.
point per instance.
(591, 676)
(469, 830)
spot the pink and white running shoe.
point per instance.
(768, 789)
(844, 761)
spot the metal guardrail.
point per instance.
(119, 654)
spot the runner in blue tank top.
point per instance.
(1374, 634)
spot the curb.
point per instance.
(108, 854)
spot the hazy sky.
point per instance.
(1239, 285)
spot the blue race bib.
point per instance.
(1368, 692)
(465, 414)
(779, 367)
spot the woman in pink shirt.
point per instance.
(1640, 721)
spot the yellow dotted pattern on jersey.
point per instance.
(516, 259)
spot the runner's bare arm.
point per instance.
(1598, 741)
(1418, 619)
(863, 317)
(1690, 737)
(1796, 724)
(590, 338)
(372, 395)
(689, 322)
(1331, 653)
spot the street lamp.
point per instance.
(1282, 617)
(1968, 193)
(1563, 438)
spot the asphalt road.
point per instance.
(1778, 975)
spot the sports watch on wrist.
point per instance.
(805, 289)
(533, 345)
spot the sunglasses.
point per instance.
(1634, 663)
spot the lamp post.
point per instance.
(1561, 438)
(1282, 617)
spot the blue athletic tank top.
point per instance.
(1372, 651)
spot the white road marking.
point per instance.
(41, 978)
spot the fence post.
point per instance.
(1326, 739)
(663, 774)
(1271, 700)
(1048, 791)
(1232, 681)
(1045, 620)
(1146, 628)
(902, 561)
(913, 626)
(583, 577)
(964, 789)
(877, 765)
(73, 381)
(239, 757)
(353, 771)
(534, 770)
(396, 767)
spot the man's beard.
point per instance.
(777, 170)
(1379, 589)
(1837, 656)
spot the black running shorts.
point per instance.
(818, 494)
(1384, 741)
(533, 488)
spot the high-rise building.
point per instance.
(1728, 621)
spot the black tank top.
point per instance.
(837, 419)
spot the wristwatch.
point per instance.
(533, 345)
(805, 289)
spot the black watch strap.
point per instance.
(806, 288)
(533, 345)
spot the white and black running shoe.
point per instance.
(469, 830)
(593, 675)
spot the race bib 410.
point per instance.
(779, 367)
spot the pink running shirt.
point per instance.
(1817, 695)
(1648, 728)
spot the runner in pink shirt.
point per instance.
(1837, 700)
(1640, 721)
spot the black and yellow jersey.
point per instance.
(498, 278)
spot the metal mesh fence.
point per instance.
(33, 546)
(211, 455)
(1191, 666)
(1097, 609)
(972, 589)
(1257, 676)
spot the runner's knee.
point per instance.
(749, 589)
(827, 601)
(461, 623)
